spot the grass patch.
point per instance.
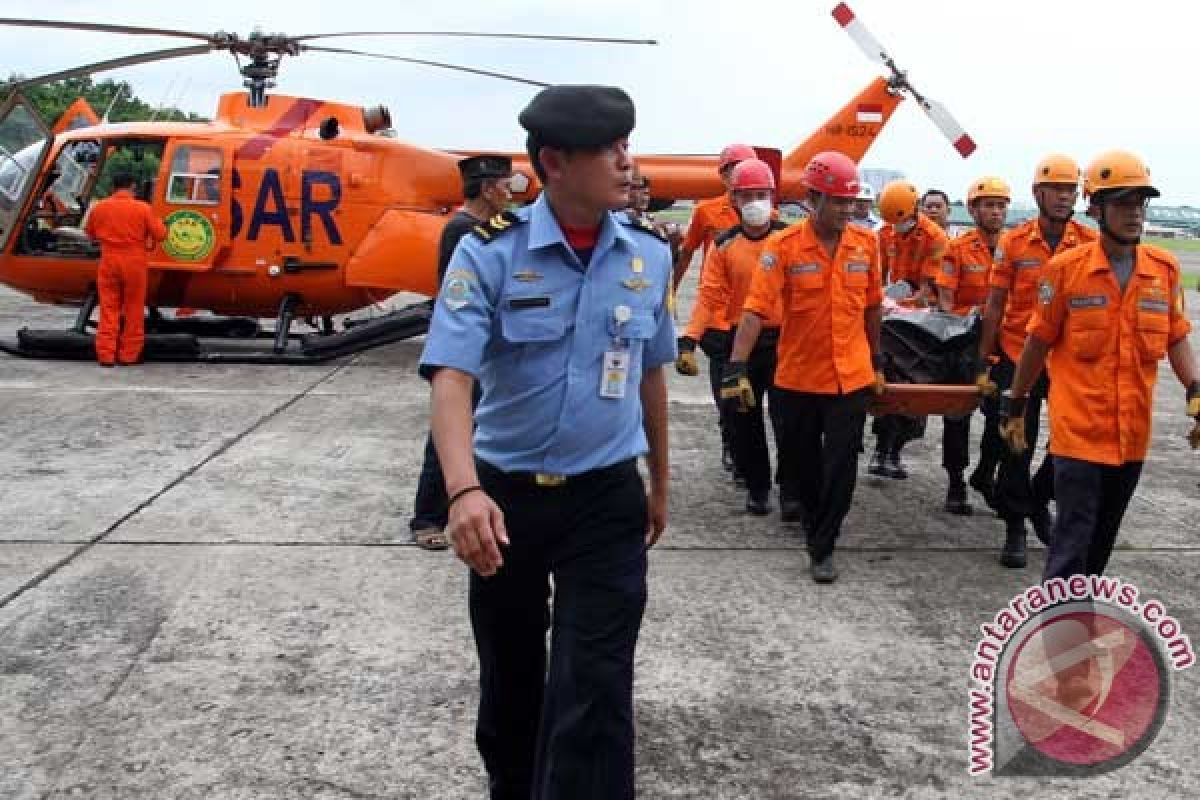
(1190, 280)
(1175, 245)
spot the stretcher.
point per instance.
(925, 399)
(929, 358)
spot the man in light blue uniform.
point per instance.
(559, 311)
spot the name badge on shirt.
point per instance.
(615, 374)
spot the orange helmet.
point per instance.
(1056, 169)
(898, 201)
(752, 174)
(733, 153)
(1119, 170)
(832, 173)
(988, 186)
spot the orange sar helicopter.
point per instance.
(295, 208)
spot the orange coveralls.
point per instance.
(125, 228)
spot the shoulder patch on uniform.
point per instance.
(643, 225)
(487, 231)
(1045, 292)
(727, 235)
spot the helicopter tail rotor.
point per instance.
(898, 80)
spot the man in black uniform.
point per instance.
(485, 186)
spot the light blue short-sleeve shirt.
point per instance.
(522, 314)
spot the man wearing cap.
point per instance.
(485, 188)
(558, 310)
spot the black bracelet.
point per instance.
(474, 488)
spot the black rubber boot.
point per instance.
(895, 467)
(824, 571)
(1013, 554)
(758, 502)
(878, 465)
(956, 497)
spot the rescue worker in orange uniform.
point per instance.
(825, 273)
(728, 270)
(125, 227)
(1020, 258)
(912, 247)
(1107, 312)
(711, 217)
(962, 285)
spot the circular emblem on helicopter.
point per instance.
(190, 236)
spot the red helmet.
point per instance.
(733, 153)
(832, 173)
(752, 174)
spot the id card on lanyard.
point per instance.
(614, 371)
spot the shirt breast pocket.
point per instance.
(807, 292)
(525, 321)
(1088, 333)
(1152, 332)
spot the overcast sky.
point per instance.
(1024, 78)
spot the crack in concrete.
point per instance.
(35, 581)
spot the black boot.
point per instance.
(790, 510)
(878, 465)
(956, 496)
(1013, 554)
(758, 502)
(895, 467)
(824, 571)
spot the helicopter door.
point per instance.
(195, 199)
(23, 144)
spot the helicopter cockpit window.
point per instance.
(22, 141)
(195, 176)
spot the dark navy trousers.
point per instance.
(1091, 500)
(560, 726)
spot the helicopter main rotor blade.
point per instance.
(487, 73)
(949, 126)
(862, 37)
(101, 27)
(469, 34)
(115, 63)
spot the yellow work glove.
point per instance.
(984, 383)
(1012, 423)
(737, 394)
(685, 362)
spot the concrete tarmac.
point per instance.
(208, 590)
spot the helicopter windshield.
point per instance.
(73, 172)
(22, 141)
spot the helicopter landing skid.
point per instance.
(72, 345)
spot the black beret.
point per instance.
(487, 166)
(578, 116)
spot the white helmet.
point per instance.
(865, 192)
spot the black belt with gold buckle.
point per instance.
(553, 480)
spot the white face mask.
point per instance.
(756, 212)
(906, 226)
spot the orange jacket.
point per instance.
(725, 281)
(710, 217)
(124, 224)
(1020, 256)
(1105, 347)
(915, 256)
(965, 271)
(823, 347)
